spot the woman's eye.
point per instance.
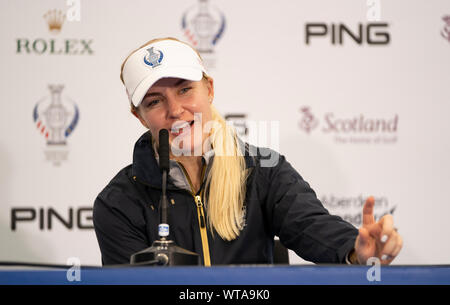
(184, 90)
(152, 103)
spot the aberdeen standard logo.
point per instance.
(55, 119)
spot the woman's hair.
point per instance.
(226, 181)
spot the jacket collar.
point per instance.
(145, 167)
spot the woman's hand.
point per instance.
(377, 239)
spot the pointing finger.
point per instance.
(363, 236)
(375, 230)
(368, 218)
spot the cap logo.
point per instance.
(153, 59)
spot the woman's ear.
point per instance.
(210, 85)
(135, 112)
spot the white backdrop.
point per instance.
(355, 119)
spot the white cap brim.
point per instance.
(188, 73)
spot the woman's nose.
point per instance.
(174, 108)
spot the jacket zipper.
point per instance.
(200, 213)
(203, 233)
(201, 216)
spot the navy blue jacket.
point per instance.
(278, 203)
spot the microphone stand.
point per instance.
(164, 252)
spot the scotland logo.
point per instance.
(153, 59)
(55, 120)
(308, 121)
(445, 32)
(203, 26)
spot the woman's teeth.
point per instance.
(178, 128)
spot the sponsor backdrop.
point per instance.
(354, 93)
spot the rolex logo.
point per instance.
(45, 45)
(55, 19)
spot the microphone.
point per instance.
(164, 252)
(163, 228)
(163, 150)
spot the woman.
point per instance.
(227, 202)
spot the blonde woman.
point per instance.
(226, 202)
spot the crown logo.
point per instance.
(55, 19)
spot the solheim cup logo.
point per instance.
(153, 59)
(56, 118)
(446, 30)
(203, 26)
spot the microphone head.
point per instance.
(163, 149)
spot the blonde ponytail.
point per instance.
(226, 181)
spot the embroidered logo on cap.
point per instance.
(153, 59)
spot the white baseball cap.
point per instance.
(165, 58)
